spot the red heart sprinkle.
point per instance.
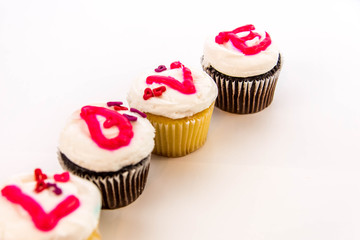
(63, 177)
(158, 91)
(148, 93)
(119, 108)
(39, 175)
(40, 186)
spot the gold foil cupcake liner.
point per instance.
(245, 95)
(178, 137)
(118, 189)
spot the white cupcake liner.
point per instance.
(118, 189)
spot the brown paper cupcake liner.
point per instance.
(179, 137)
(245, 95)
(118, 189)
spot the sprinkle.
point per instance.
(56, 190)
(63, 177)
(39, 175)
(138, 112)
(40, 186)
(40, 180)
(129, 117)
(110, 104)
(158, 91)
(160, 68)
(148, 93)
(175, 65)
(118, 108)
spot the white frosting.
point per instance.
(230, 61)
(172, 103)
(16, 223)
(75, 142)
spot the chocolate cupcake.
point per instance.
(245, 64)
(49, 206)
(179, 102)
(111, 146)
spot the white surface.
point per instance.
(288, 172)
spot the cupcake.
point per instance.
(179, 103)
(43, 207)
(245, 64)
(111, 146)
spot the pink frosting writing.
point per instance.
(113, 118)
(42, 220)
(240, 42)
(185, 87)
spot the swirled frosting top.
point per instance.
(173, 91)
(107, 137)
(62, 208)
(243, 52)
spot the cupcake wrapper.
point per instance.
(118, 189)
(95, 235)
(176, 138)
(245, 95)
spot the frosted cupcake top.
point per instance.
(107, 137)
(174, 91)
(243, 52)
(42, 207)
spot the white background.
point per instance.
(288, 172)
